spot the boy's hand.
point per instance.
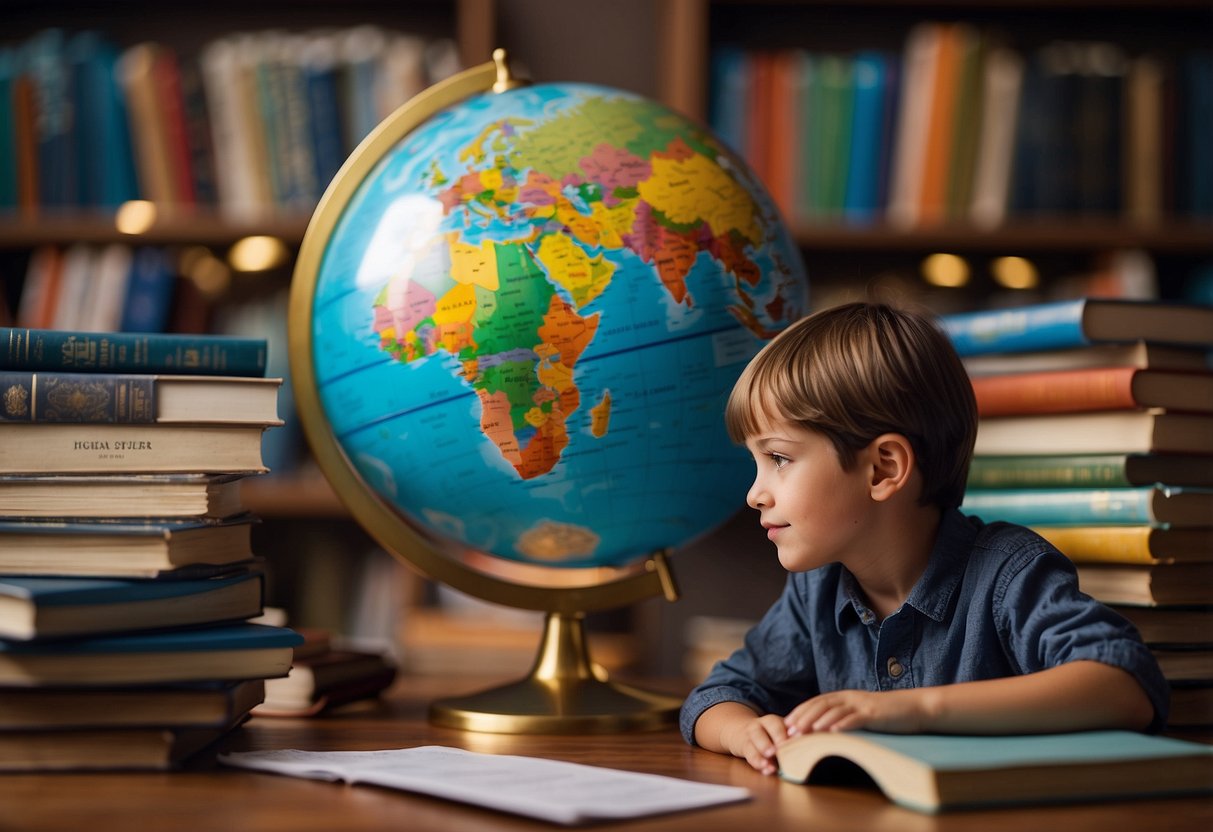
(754, 740)
(898, 711)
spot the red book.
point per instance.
(1099, 388)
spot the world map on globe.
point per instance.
(528, 318)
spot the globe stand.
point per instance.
(565, 693)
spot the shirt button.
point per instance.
(895, 668)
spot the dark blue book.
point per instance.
(1077, 323)
(236, 651)
(36, 608)
(140, 352)
(137, 398)
(149, 291)
(121, 548)
(728, 97)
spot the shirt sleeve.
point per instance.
(1047, 622)
(772, 673)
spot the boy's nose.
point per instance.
(757, 496)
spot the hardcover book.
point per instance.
(210, 496)
(49, 448)
(226, 653)
(101, 352)
(109, 749)
(1076, 323)
(1127, 431)
(322, 682)
(1090, 471)
(929, 773)
(1148, 585)
(1151, 505)
(32, 608)
(1142, 544)
(100, 398)
(120, 549)
(1106, 388)
(197, 705)
(1140, 354)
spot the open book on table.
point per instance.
(933, 772)
(551, 790)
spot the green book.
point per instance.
(1090, 471)
(929, 773)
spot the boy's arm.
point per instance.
(1080, 695)
(734, 728)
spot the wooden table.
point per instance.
(210, 797)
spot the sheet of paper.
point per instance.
(560, 792)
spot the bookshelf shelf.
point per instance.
(1177, 237)
(200, 227)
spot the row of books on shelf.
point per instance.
(960, 126)
(254, 123)
(133, 626)
(1096, 431)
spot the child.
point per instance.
(900, 614)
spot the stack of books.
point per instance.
(127, 572)
(325, 675)
(1096, 430)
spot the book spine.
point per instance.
(1094, 471)
(1106, 388)
(93, 352)
(1101, 544)
(1024, 329)
(1070, 506)
(97, 398)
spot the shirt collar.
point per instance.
(933, 593)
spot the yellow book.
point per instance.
(1142, 544)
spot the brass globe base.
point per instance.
(564, 694)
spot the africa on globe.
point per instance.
(528, 317)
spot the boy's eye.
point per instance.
(779, 460)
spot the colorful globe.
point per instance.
(528, 318)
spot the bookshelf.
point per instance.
(840, 249)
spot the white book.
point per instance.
(1002, 85)
(913, 123)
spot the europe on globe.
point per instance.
(528, 318)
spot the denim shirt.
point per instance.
(995, 600)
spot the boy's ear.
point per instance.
(892, 459)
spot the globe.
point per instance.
(517, 317)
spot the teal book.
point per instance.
(1162, 506)
(221, 653)
(62, 607)
(930, 773)
(861, 201)
(1078, 323)
(140, 352)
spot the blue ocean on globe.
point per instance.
(528, 318)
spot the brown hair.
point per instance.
(855, 371)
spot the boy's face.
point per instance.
(814, 512)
